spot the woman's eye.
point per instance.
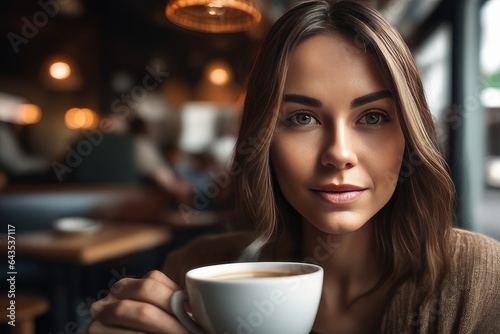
(374, 118)
(300, 119)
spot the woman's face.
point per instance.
(339, 146)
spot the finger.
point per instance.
(98, 327)
(162, 278)
(147, 290)
(154, 274)
(139, 316)
(97, 307)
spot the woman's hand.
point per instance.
(137, 305)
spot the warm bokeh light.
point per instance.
(81, 118)
(218, 72)
(217, 83)
(59, 70)
(28, 113)
(219, 77)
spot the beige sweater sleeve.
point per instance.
(469, 301)
(481, 304)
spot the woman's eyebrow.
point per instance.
(359, 101)
(302, 99)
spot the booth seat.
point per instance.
(35, 207)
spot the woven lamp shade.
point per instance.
(214, 16)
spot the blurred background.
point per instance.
(113, 115)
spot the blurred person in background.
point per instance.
(126, 154)
(16, 162)
(154, 166)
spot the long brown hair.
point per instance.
(412, 228)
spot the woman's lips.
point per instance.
(340, 197)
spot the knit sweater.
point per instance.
(469, 301)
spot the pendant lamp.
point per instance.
(214, 16)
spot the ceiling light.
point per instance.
(214, 16)
(218, 72)
(61, 73)
(219, 77)
(59, 70)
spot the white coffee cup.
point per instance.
(250, 298)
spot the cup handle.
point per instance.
(177, 303)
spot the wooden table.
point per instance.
(73, 253)
(112, 241)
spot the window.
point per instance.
(433, 58)
(489, 211)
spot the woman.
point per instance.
(337, 163)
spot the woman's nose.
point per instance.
(339, 150)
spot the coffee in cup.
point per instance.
(250, 298)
